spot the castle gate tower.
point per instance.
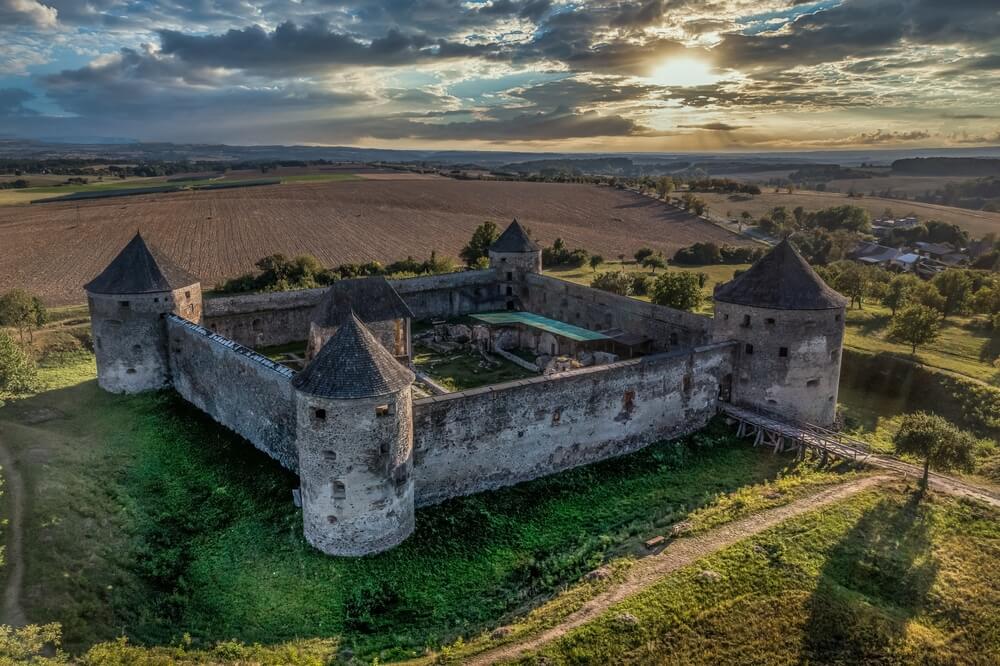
(512, 256)
(127, 303)
(790, 326)
(355, 442)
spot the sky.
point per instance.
(552, 75)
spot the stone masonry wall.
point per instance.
(601, 310)
(450, 294)
(242, 390)
(261, 320)
(496, 436)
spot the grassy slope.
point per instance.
(878, 578)
(149, 519)
(461, 370)
(964, 346)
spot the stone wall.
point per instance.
(242, 390)
(261, 320)
(496, 436)
(601, 310)
(450, 294)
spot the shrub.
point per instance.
(616, 282)
(641, 284)
(17, 369)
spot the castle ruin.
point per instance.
(368, 452)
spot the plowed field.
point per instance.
(53, 249)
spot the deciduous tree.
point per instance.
(478, 246)
(678, 290)
(937, 442)
(915, 325)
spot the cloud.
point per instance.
(27, 13)
(718, 127)
(878, 137)
(312, 46)
(12, 102)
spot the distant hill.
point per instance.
(947, 166)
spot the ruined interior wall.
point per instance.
(261, 320)
(601, 310)
(450, 294)
(242, 390)
(496, 436)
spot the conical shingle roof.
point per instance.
(782, 280)
(514, 239)
(370, 298)
(140, 269)
(353, 364)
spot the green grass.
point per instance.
(320, 178)
(964, 346)
(717, 274)
(149, 519)
(880, 578)
(461, 369)
(275, 352)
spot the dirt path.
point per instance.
(676, 555)
(12, 613)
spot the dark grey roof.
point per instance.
(782, 280)
(514, 239)
(370, 298)
(353, 364)
(140, 269)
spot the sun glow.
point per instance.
(683, 72)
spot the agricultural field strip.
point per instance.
(678, 554)
(54, 249)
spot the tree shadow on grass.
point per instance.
(874, 580)
(873, 325)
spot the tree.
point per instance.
(899, 291)
(854, 281)
(654, 262)
(22, 311)
(664, 186)
(17, 369)
(478, 246)
(642, 253)
(936, 441)
(955, 287)
(927, 294)
(679, 290)
(915, 325)
(745, 218)
(595, 261)
(698, 206)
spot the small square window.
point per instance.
(510, 276)
(124, 304)
(384, 410)
(769, 321)
(812, 383)
(836, 317)
(319, 414)
(783, 352)
(748, 349)
(187, 294)
(339, 490)
(746, 320)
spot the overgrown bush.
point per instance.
(617, 282)
(558, 255)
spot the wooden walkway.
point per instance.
(802, 438)
(798, 437)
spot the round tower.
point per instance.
(127, 303)
(512, 256)
(790, 326)
(355, 444)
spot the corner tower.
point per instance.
(512, 256)
(355, 443)
(127, 303)
(790, 326)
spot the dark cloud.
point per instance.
(12, 102)
(716, 127)
(313, 45)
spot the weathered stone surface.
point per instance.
(500, 435)
(261, 320)
(245, 392)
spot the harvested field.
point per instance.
(976, 222)
(53, 249)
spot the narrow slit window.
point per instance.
(746, 320)
(339, 490)
(783, 352)
(748, 349)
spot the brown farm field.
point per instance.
(978, 223)
(53, 249)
